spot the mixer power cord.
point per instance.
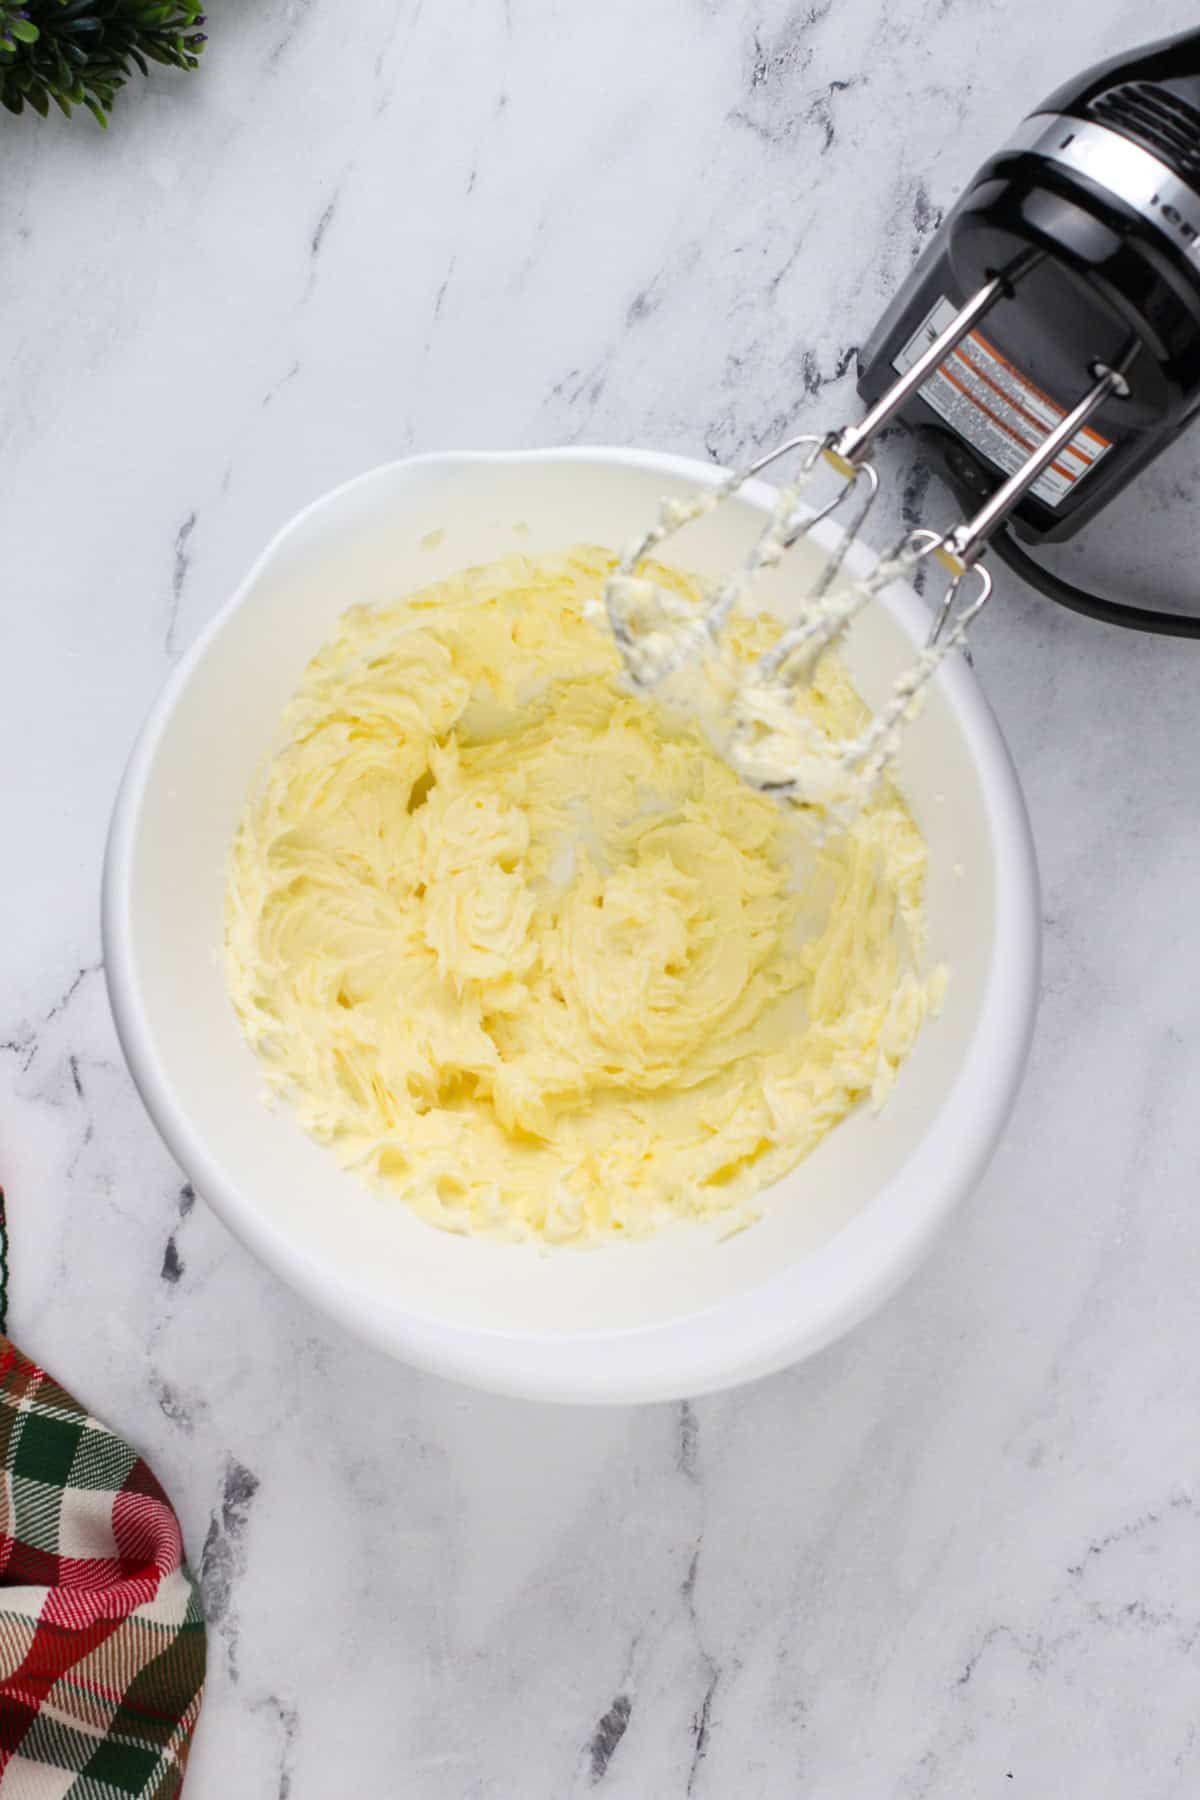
(969, 481)
(1093, 606)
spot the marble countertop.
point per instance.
(957, 1555)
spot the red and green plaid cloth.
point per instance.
(102, 1643)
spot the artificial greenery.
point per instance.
(79, 52)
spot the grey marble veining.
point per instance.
(958, 1555)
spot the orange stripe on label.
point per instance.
(982, 374)
(1071, 475)
(1022, 380)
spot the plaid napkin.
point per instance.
(102, 1642)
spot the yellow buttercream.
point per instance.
(521, 946)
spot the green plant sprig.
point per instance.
(79, 52)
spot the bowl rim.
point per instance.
(795, 1311)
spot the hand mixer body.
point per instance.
(1091, 215)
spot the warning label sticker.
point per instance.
(997, 409)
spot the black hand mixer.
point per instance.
(1063, 289)
(1046, 347)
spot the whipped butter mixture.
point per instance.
(519, 945)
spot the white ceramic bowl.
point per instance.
(683, 1313)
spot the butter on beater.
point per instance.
(520, 946)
